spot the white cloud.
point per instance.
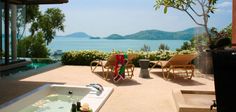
(225, 4)
(224, 7)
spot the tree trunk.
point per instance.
(208, 34)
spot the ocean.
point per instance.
(75, 43)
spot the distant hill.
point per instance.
(160, 35)
(148, 35)
(78, 34)
(115, 36)
(95, 38)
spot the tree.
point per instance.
(228, 30)
(20, 23)
(47, 23)
(163, 47)
(145, 48)
(33, 46)
(221, 38)
(32, 13)
(189, 7)
(197, 41)
(43, 27)
(23, 18)
(186, 46)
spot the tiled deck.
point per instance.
(136, 95)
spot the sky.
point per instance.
(105, 17)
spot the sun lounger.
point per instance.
(177, 62)
(109, 65)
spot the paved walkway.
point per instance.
(136, 95)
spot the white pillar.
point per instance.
(13, 32)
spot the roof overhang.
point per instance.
(34, 2)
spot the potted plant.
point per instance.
(224, 61)
(219, 40)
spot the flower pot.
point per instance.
(224, 64)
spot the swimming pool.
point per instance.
(31, 66)
(36, 66)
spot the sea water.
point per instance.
(75, 43)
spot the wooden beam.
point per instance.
(234, 24)
(34, 2)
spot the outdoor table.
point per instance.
(144, 64)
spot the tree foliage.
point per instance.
(21, 22)
(163, 47)
(25, 14)
(32, 13)
(189, 45)
(191, 8)
(33, 46)
(48, 22)
(221, 38)
(199, 40)
(228, 30)
(145, 48)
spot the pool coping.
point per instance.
(14, 65)
(23, 96)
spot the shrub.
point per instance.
(153, 55)
(85, 57)
(82, 57)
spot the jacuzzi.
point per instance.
(57, 98)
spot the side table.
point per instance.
(144, 64)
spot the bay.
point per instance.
(75, 43)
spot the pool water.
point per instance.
(36, 65)
(53, 103)
(31, 66)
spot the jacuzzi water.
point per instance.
(57, 98)
(53, 103)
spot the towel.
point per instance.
(119, 69)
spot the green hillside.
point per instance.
(160, 35)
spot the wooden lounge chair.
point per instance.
(109, 65)
(177, 62)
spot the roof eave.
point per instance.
(36, 2)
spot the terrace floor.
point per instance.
(136, 95)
